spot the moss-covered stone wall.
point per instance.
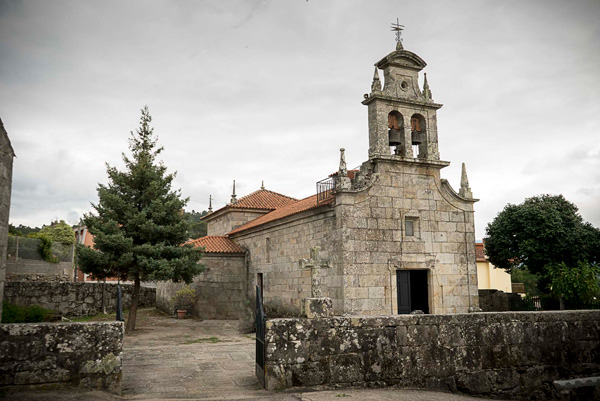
(53, 355)
(512, 355)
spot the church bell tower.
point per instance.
(402, 117)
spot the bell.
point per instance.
(416, 137)
(395, 137)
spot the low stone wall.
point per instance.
(74, 299)
(497, 301)
(507, 355)
(51, 355)
(221, 289)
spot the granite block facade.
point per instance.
(232, 220)
(53, 355)
(221, 289)
(514, 355)
(275, 251)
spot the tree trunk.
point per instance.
(133, 308)
(562, 303)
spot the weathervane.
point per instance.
(396, 27)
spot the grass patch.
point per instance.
(95, 318)
(25, 314)
(206, 340)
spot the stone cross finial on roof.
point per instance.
(233, 196)
(397, 28)
(210, 204)
(315, 263)
(465, 191)
(262, 186)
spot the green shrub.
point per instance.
(25, 314)
(45, 247)
(184, 299)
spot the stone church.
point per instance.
(390, 237)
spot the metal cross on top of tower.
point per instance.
(396, 27)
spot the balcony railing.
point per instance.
(325, 189)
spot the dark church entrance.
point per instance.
(412, 291)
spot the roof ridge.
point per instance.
(282, 212)
(260, 190)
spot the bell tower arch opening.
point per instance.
(395, 132)
(418, 135)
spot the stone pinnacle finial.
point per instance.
(426, 91)
(209, 203)
(399, 46)
(343, 170)
(233, 196)
(262, 186)
(465, 191)
(342, 181)
(376, 85)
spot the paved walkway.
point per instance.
(170, 359)
(180, 358)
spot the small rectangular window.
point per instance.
(268, 250)
(409, 227)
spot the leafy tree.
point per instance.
(22, 230)
(59, 231)
(197, 227)
(575, 284)
(541, 232)
(529, 279)
(138, 223)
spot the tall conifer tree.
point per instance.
(139, 226)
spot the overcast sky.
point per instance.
(270, 90)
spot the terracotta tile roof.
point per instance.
(216, 244)
(285, 211)
(351, 174)
(479, 253)
(262, 199)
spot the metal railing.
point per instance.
(325, 189)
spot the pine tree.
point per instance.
(139, 226)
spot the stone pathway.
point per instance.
(171, 358)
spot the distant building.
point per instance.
(6, 166)
(83, 236)
(488, 276)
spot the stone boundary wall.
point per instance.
(513, 355)
(73, 299)
(221, 289)
(52, 355)
(497, 301)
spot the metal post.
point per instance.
(119, 299)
